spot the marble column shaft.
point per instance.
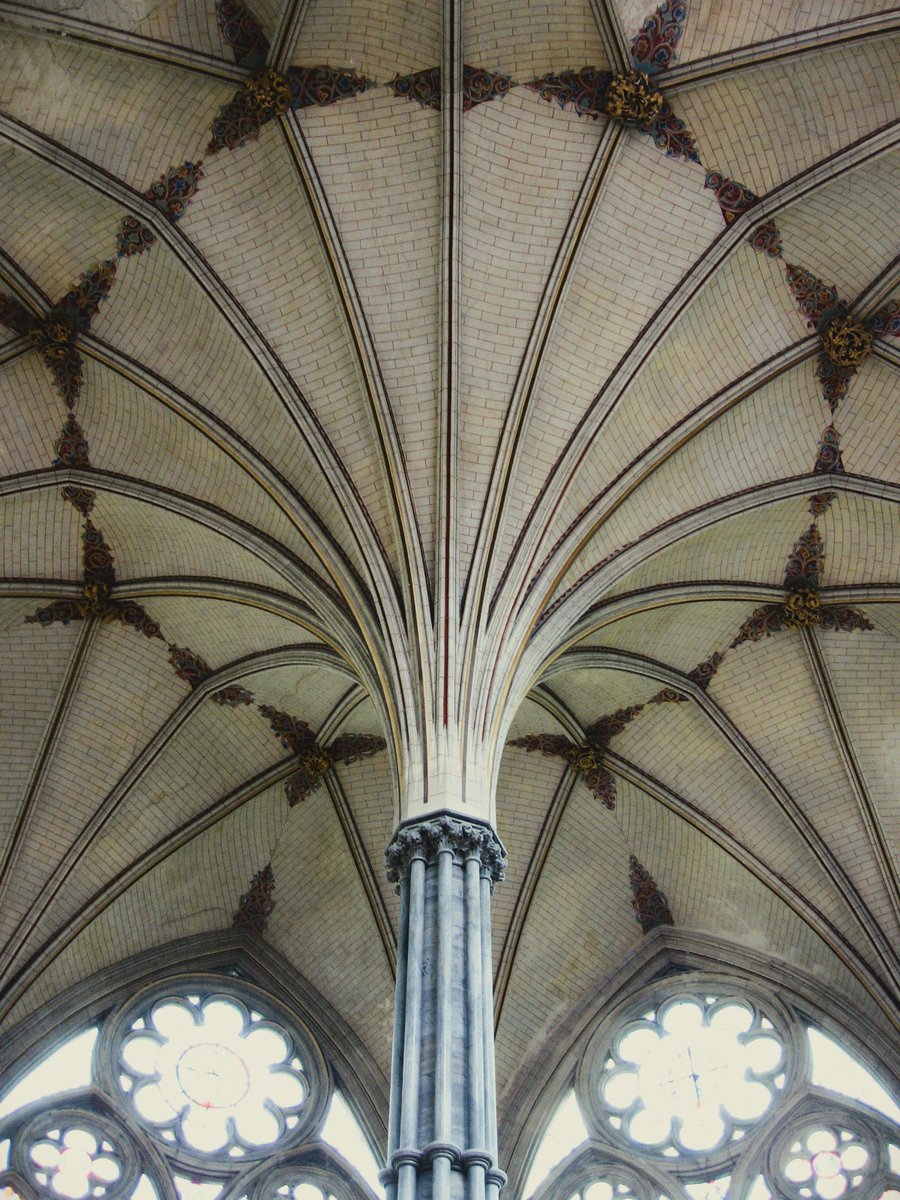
(442, 1132)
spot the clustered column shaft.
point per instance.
(442, 1132)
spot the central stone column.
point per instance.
(442, 1133)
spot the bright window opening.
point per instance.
(703, 1090)
(212, 1073)
(68, 1066)
(565, 1132)
(836, 1069)
(693, 1074)
(216, 1075)
(342, 1131)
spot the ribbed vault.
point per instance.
(384, 433)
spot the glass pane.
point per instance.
(693, 1076)
(713, 1189)
(598, 1191)
(204, 1071)
(342, 1131)
(834, 1068)
(758, 1190)
(565, 1131)
(306, 1191)
(69, 1066)
(197, 1189)
(144, 1190)
(823, 1159)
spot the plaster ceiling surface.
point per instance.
(485, 416)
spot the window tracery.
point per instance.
(825, 1159)
(702, 1088)
(75, 1154)
(693, 1074)
(202, 1088)
(210, 1074)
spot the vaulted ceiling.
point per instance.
(431, 390)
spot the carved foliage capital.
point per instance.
(445, 834)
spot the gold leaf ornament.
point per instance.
(846, 341)
(268, 94)
(630, 98)
(801, 609)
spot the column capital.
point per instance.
(427, 838)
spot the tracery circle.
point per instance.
(823, 1159)
(301, 1190)
(75, 1154)
(214, 1073)
(686, 1077)
(596, 1176)
(609, 1187)
(319, 1176)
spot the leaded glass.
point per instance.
(210, 1074)
(827, 1158)
(701, 1088)
(183, 1092)
(692, 1074)
(74, 1153)
(213, 1073)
